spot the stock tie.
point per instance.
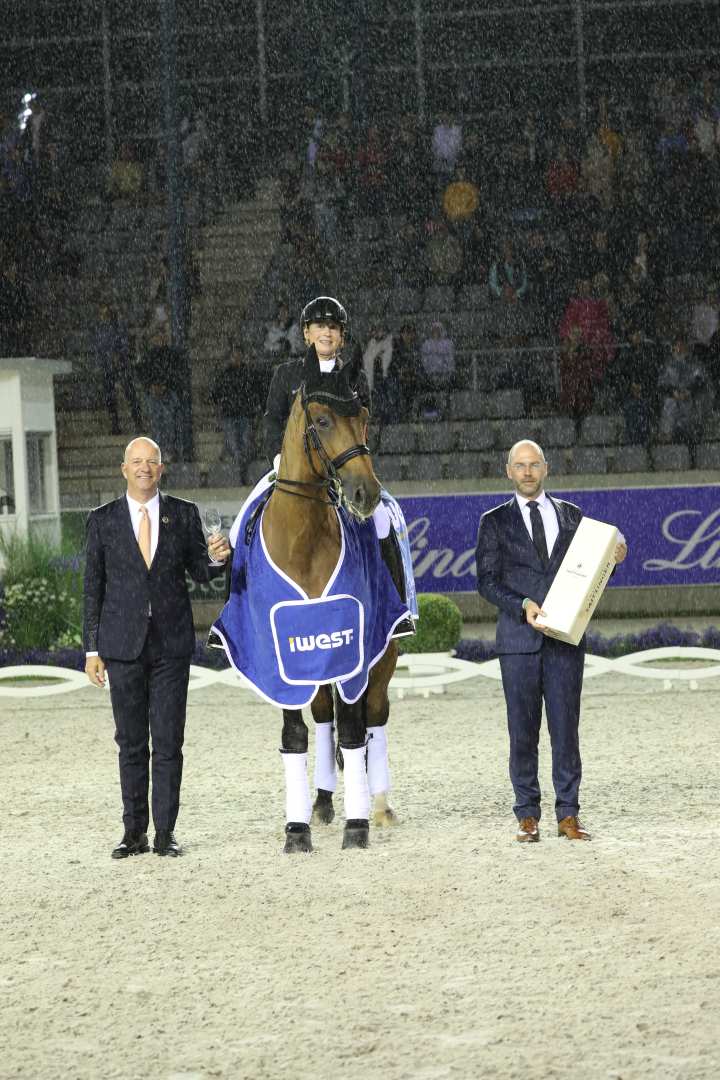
(538, 532)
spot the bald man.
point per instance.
(519, 550)
(138, 628)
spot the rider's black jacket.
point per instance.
(285, 384)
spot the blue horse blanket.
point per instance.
(287, 645)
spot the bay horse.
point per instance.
(325, 472)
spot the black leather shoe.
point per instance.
(132, 843)
(166, 844)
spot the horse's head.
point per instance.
(334, 436)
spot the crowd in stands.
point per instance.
(598, 243)
(601, 243)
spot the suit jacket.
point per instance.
(285, 384)
(509, 569)
(120, 589)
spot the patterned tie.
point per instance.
(144, 536)
(538, 532)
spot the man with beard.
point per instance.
(519, 550)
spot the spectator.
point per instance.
(547, 274)
(508, 283)
(376, 361)
(446, 147)
(672, 147)
(15, 310)
(477, 254)
(588, 346)
(460, 199)
(111, 355)
(125, 182)
(158, 376)
(237, 394)
(408, 172)
(633, 377)
(597, 170)
(326, 198)
(372, 161)
(283, 329)
(704, 320)
(599, 258)
(687, 397)
(443, 254)
(562, 180)
(405, 258)
(634, 178)
(437, 355)
(406, 371)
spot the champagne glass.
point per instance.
(212, 519)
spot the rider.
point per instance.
(324, 322)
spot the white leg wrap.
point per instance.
(325, 765)
(298, 805)
(357, 795)
(378, 770)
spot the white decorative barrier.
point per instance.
(417, 673)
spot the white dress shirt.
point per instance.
(547, 513)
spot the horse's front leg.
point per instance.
(377, 711)
(298, 805)
(325, 771)
(352, 739)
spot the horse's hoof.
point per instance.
(323, 809)
(356, 834)
(384, 819)
(297, 838)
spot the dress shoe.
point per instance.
(166, 844)
(132, 843)
(571, 827)
(528, 832)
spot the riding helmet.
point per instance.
(324, 309)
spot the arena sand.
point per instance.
(445, 950)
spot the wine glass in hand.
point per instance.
(212, 519)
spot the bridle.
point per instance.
(329, 478)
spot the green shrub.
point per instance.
(41, 598)
(438, 628)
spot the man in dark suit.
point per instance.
(519, 550)
(138, 627)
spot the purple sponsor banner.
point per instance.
(673, 534)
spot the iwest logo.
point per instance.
(320, 641)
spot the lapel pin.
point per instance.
(165, 520)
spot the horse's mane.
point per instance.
(330, 388)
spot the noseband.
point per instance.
(329, 478)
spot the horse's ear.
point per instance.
(344, 377)
(311, 368)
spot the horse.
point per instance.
(323, 496)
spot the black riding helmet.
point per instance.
(324, 309)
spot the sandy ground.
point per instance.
(444, 950)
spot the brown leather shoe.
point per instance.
(528, 832)
(571, 827)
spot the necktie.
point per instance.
(538, 533)
(144, 536)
